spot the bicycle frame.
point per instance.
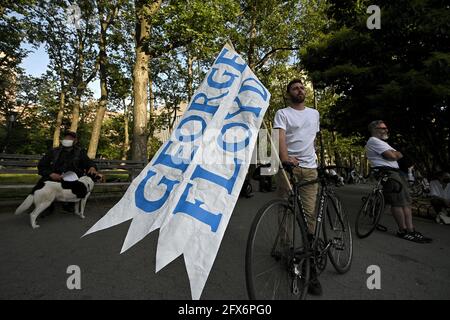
(377, 188)
(297, 255)
(323, 202)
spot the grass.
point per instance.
(14, 178)
(31, 179)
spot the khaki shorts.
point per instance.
(395, 195)
(308, 193)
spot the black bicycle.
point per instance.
(279, 254)
(369, 214)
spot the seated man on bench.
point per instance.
(440, 196)
(67, 162)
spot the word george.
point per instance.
(230, 140)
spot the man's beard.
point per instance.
(297, 99)
(384, 137)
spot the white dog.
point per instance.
(53, 191)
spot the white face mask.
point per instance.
(67, 143)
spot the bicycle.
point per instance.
(368, 217)
(278, 246)
(419, 187)
(356, 177)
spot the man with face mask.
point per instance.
(65, 164)
(395, 190)
(69, 157)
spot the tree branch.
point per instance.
(267, 56)
(94, 72)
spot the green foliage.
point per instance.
(398, 73)
(111, 143)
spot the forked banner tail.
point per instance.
(191, 186)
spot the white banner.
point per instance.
(191, 186)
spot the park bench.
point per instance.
(118, 173)
(421, 207)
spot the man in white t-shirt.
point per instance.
(297, 127)
(395, 190)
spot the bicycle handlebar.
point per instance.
(289, 167)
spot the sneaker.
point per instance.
(314, 287)
(411, 236)
(421, 237)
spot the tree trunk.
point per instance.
(190, 79)
(96, 130)
(337, 156)
(144, 10)
(59, 119)
(80, 82)
(76, 112)
(152, 107)
(126, 143)
(252, 35)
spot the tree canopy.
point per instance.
(147, 57)
(398, 73)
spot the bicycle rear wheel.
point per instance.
(369, 215)
(338, 234)
(276, 262)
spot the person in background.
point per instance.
(440, 195)
(297, 128)
(69, 159)
(395, 190)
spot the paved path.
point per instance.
(34, 262)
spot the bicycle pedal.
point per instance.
(338, 244)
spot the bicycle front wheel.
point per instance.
(369, 215)
(276, 262)
(338, 235)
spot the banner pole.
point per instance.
(230, 44)
(285, 177)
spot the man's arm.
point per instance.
(284, 157)
(45, 165)
(392, 155)
(45, 168)
(87, 163)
